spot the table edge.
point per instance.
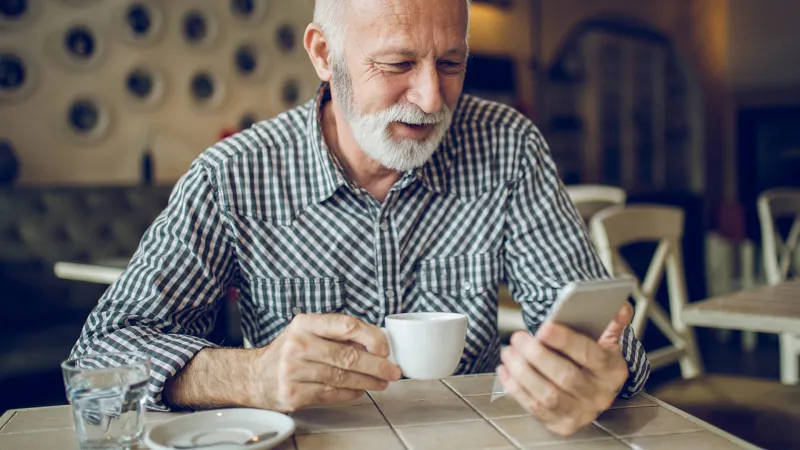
(698, 317)
(87, 272)
(705, 425)
(6, 417)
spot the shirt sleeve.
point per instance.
(166, 301)
(548, 246)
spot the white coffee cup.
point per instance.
(426, 345)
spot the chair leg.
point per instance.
(789, 359)
(691, 363)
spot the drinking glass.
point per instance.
(107, 392)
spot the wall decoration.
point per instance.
(13, 9)
(17, 77)
(206, 90)
(291, 92)
(144, 87)
(199, 29)
(247, 120)
(87, 119)
(77, 47)
(141, 22)
(111, 74)
(248, 12)
(18, 13)
(286, 38)
(250, 62)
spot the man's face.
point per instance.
(401, 75)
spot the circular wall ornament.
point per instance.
(87, 119)
(199, 28)
(286, 38)
(18, 13)
(144, 87)
(249, 12)
(78, 47)
(250, 62)
(141, 22)
(290, 92)
(206, 90)
(247, 120)
(17, 77)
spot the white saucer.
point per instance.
(237, 424)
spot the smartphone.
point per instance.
(589, 306)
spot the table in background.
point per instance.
(102, 272)
(767, 309)
(458, 412)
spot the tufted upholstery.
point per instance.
(39, 226)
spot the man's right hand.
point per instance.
(320, 359)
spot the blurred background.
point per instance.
(104, 103)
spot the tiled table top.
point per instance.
(457, 413)
(768, 309)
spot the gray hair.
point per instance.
(330, 14)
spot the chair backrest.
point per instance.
(618, 226)
(775, 204)
(591, 198)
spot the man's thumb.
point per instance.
(613, 332)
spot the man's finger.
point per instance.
(523, 397)
(556, 368)
(349, 358)
(613, 333)
(545, 395)
(312, 372)
(317, 394)
(575, 346)
(344, 328)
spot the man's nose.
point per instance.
(426, 92)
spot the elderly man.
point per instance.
(388, 192)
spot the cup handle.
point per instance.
(389, 341)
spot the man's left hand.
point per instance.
(564, 378)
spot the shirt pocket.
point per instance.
(460, 278)
(288, 297)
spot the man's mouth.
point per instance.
(413, 130)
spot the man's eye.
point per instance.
(406, 65)
(450, 65)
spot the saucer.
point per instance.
(238, 425)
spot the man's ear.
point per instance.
(318, 49)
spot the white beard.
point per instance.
(371, 131)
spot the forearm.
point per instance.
(213, 378)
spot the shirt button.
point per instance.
(390, 293)
(297, 310)
(467, 286)
(385, 226)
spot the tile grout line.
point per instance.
(391, 426)
(485, 419)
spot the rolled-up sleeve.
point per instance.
(166, 301)
(548, 246)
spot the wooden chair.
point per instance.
(588, 199)
(779, 256)
(618, 226)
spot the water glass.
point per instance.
(107, 393)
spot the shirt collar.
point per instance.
(432, 175)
